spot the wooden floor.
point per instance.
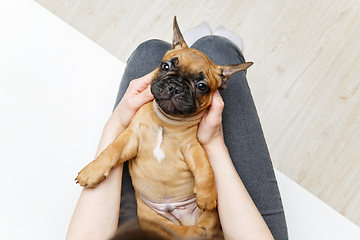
(305, 80)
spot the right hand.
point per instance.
(137, 94)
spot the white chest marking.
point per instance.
(158, 153)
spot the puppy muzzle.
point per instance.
(174, 97)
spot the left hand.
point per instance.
(210, 128)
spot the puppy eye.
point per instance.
(165, 66)
(201, 86)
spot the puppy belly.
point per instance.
(184, 213)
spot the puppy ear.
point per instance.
(178, 40)
(226, 71)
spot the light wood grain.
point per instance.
(305, 80)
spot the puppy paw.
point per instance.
(206, 199)
(92, 174)
(197, 232)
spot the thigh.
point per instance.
(244, 136)
(146, 57)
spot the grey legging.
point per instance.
(242, 130)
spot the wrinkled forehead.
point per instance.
(192, 61)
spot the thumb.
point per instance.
(217, 104)
(142, 98)
(214, 115)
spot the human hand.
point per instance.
(137, 94)
(210, 128)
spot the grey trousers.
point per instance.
(242, 130)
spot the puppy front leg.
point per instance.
(122, 149)
(205, 189)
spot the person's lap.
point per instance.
(242, 129)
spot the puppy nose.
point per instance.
(174, 89)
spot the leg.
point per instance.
(244, 137)
(143, 60)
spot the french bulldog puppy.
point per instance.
(170, 170)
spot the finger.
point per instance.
(216, 108)
(141, 98)
(146, 95)
(138, 85)
(145, 80)
(141, 84)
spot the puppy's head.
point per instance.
(186, 79)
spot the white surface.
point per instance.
(308, 218)
(57, 90)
